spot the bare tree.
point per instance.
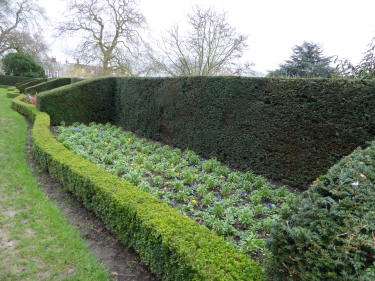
(16, 18)
(107, 27)
(211, 47)
(365, 69)
(32, 44)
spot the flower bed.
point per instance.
(174, 247)
(238, 206)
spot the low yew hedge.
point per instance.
(175, 247)
(12, 92)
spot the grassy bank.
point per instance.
(36, 243)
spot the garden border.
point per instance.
(175, 247)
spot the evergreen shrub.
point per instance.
(11, 80)
(48, 85)
(85, 101)
(12, 92)
(330, 232)
(291, 130)
(35, 81)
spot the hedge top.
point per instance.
(48, 85)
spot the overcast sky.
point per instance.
(273, 27)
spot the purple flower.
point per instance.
(80, 146)
(173, 204)
(224, 179)
(182, 213)
(270, 205)
(120, 148)
(243, 193)
(199, 163)
(78, 130)
(203, 171)
(192, 186)
(219, 197)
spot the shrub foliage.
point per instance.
(291, 130)
(23, 85)
(84, 101)
(12, 92)
(48, 85)
(286, 129)
(11, 80)
(21, 64)
(330, 233)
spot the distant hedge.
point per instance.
(12, 80)
(48, 85)
(12, 92)
(290, 130)
(330, 233)
(35, 81)
(85, 101)
(174, 246)
(76, 79)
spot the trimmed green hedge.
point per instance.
(290, 130)
(85, 101)
(76, 79)
(48, 85)
(12, 80)
(12, 95)
(35, 81)
(175, 247)
(330, 232)
(12, 92)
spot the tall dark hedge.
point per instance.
(85, 101)
(12, 80)
(291, 130)
(330, 233)
(48, 85)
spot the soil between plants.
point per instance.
(123, 264)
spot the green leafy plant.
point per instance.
(158, 181)
(203, 191)
(21, 64)
(245, 216)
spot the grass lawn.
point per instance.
(36, 242)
